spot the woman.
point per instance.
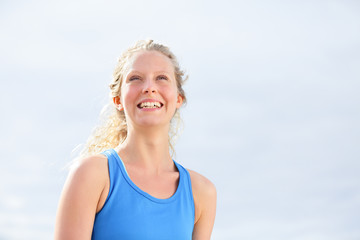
(126, 186)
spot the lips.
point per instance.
(150, 103)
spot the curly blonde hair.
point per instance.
(112, 129)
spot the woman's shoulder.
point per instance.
(205, 195)
(90, 174)
(201, 184)
(91, 171)
(90, 165)
(80, 197)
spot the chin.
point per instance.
(151, 122)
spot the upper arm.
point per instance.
(204, 193)
(79, 199)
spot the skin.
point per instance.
(145, 153)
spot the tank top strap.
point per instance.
(187, 188)
(114, 172)
(115, 162)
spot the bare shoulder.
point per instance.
(91, 174)
(80, 197)
(201, 184)
(95, 164)
(204, 193)
(88, 174)
(205, 197)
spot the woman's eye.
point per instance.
(134, 78)
(162, 77)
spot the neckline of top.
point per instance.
(139, 190)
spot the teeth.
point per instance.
(150, 105)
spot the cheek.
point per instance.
(171, 93)
(172, 97)
(128, 94)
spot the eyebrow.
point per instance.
(136, 71)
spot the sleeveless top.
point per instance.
(132, 214)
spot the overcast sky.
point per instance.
(272, 117)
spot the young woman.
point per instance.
(126, 185)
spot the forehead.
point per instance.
(150, 61)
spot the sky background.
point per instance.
(272, 117)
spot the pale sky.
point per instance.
(272, 117)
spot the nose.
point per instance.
(149, 87)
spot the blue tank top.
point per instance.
(132, 214)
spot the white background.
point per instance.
(272, 117)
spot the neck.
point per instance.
(147, 149)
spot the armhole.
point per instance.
(107, 155)
(191, 193)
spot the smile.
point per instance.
(150, 105)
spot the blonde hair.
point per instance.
(112, 129)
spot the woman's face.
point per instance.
(149, 93)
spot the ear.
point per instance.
(179, 101)
(117, 103)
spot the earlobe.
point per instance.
(117, 103)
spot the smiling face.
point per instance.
(149, 95)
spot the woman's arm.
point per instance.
(79, 200)
(204, 193)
